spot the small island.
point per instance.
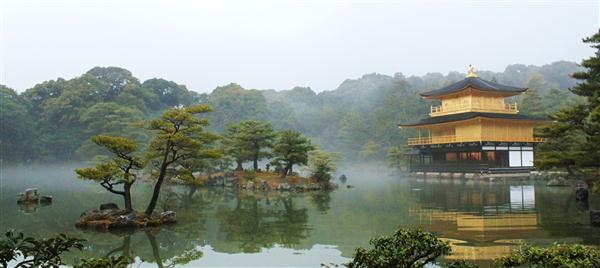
(183, 151)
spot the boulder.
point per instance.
(581, 194)
(46, 199)
(284, 186)
(300, 188)
(349, 186)
(331, 185)
(250, 185)
(109, 206)
(595, 217)
(28, 196)
(343, 178)
(264, 185)
(168, 217)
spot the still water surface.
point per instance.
(223, 227)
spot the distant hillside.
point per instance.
(53, 120)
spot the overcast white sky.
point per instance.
(282, 44)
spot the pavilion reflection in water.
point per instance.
(482, 225)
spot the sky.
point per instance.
(282, 44)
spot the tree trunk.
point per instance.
(290, 169)
(284, 172)
(156, 192)
(127, 197)
(239, 166)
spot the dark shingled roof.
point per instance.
(474, 82)
(469, 115)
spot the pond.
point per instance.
(224, 227)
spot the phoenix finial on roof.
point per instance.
(471, 71)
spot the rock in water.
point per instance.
(284, 186)
(595, 217)
(343, 178)
(30, 195)
(168, 217)
(264, 185)
(46, 199)
(109, 206)
(331, 185)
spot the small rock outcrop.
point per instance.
(331, 185)
(110, 219)
(29, 196)
(264, 186)
(343, 178)
(284, 186)
(250, 185)
(46, 199)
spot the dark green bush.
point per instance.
(406, 248)
(559, 255)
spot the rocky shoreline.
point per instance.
(264, 181)
(109, 217)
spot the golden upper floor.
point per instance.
(473, 101)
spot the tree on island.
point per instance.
(119, 170)
(321, 164)
(180, 137)
(255, 137)
(291, 148)
(233, 146)
(573, 138)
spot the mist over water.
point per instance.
(221, 226)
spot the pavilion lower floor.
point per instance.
(486, 157)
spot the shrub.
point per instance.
(405, 248)
(36, 252)
(559, 255)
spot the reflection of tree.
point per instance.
(250, 225)
(321, 200)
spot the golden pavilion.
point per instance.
(474, 129)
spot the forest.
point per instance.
(54, 120)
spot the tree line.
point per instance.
(54, 120)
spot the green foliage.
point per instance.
(291, 148)
(560, 255)
(17, 127)
(321, 164)
(574, 135)
(405, 248)
(106, 262)
(232, 103)
(35, 252)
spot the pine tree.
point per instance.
(573, 138)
